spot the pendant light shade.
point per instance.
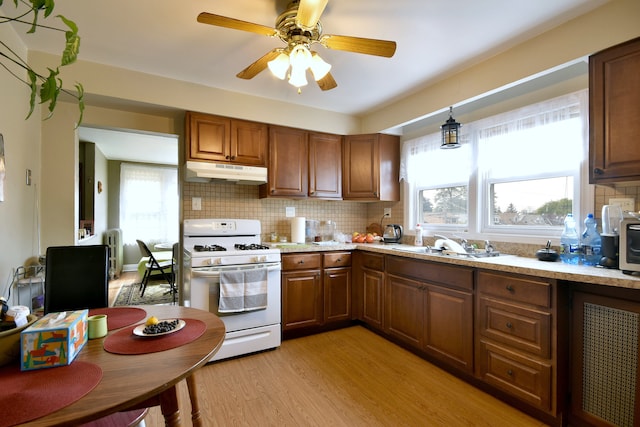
(450, 132)
(279, 66)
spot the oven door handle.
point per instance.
(216, 273)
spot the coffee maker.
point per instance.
(611, 217)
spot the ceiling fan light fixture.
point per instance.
(279, 66)
(300, 57)
(298, 77)
(318, 66)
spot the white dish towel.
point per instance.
(243, 290)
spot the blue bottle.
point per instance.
(591, 242)
(570, 242)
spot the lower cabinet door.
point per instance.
(301, 299)
(448, 326)
(526, 378)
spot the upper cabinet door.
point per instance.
(249, 143)
(207, 137)
(614, 114)
(371, 167)
(325, 166)
(288, 174)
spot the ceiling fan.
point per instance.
(299, 28)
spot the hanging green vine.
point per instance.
(50, 86)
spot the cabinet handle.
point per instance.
(233, 157)
(227, 157)
(598, 171)
(301, 261)
(510, 288)
(510, 372)
(509, 325)
(339, 260)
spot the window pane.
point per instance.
(445, 205)
(531, 203)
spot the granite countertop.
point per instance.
(506, 263)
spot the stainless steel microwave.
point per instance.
(629, 250)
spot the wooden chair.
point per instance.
(159, 267)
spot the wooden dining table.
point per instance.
(143, 380)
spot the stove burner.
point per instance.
(250, 247)
(208, 248)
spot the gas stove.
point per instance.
(211, 242)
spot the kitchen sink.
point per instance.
(433, 251)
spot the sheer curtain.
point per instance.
(148, 203)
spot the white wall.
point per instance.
(18, 219)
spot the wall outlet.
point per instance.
(387, 212)
(196, 203)
(626, 203)
(290, 211)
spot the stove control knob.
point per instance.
(260, 258)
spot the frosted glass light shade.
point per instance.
(279, 66)
(319, 67)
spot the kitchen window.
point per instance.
(516, 174)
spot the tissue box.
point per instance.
(54, 340)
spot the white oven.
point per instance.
(217, 247)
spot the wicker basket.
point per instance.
(10, 342)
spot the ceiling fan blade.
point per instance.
(235, 24)
(327, 82)
(254, 69)
(360, 45)
(309, 12)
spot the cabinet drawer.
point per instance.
(515, 288)
(525, 378)
(337, 259)
(301, 261)
(372, 261)
(520, 328)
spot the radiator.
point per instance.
(113, 239)
(610, 363)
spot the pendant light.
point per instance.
(450, 132)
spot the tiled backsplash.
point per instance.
(605, 192)
(221, 200)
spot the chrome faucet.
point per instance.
(488, 247)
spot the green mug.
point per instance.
(97, 326)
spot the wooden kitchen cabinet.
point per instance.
(368, 278)
(371, 167)
(614, 114)
(288, 166)
(302, 295)
(518, 328)
(303, 164)
(430, 307)
(221, 139)
(316, 290)
(325, 166)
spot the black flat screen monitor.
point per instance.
(77, 277)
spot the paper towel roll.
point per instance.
(297, 229)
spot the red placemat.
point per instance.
(124, 342)
(28, 395)
(119, 317)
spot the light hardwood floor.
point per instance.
(348, 377)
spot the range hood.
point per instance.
(206, 172)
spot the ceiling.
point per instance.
(434, 39)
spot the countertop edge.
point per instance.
(509, 263)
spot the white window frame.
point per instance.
(478, 227)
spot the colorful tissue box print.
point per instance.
(54, 340)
